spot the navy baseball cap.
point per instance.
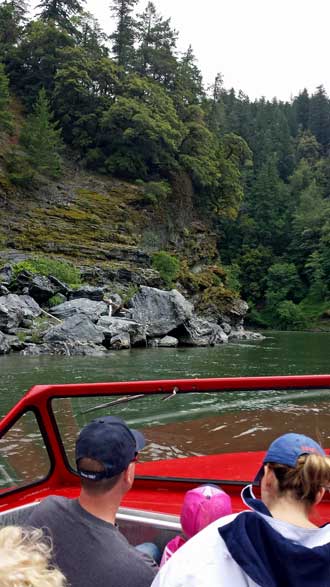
(111, 442)
(286, 450)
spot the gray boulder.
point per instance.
(3, 290)
(120, 341)
(160, 311)
(15, 309)
(68, 349)
(60, 286)
(113, 327)
(75, 328)
(200, 332)
(6, 274)
(88, 291)
(245, 335)
(234, 316)
(5, 346)
(41, 289)
(168, 341)
(93, 310)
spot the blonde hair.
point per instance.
(304, 481)
(25, 559)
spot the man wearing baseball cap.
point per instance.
(88, 547)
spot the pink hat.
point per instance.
(201, 506)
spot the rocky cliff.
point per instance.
(109, 231)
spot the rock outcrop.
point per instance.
(93, 320)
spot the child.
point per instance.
(200, 507)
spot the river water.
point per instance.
(209, 423)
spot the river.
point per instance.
(280, 353)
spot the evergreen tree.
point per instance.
(301, 107)
(215, 106)
(157, 40)
(6, 121)
(42, 139)
(12, 19)
(141, 131)
(188, 85)
(124, 35)
(90, 36)
(319, 117)
(36, 59)
(60, 12)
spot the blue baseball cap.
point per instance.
(111, 442)
(286, 450)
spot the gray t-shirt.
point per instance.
(89, 551)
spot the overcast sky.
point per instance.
(264, 47)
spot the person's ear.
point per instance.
(129, 474)
(319, 495)
(269, 477)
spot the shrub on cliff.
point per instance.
(167, 265)
(62, 270)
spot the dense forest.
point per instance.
(132, 106)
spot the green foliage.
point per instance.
(167, 265)
(62, 270)
(218, 299)
(60, 12)
(259, 170)
(42, 139)
(233, 277)
(12, 18)
(55, 301)
(124, 34)
(156, 43)
(283, 283)
(6, 119)
(141, 131)
(18, 166)
(34, 62)
(290, 316)
(155, 192)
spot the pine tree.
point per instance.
(301, 105)
(60, 12)
(42, 139)
(319, 116)
(157, 40)
(124, 35)
(188, 85)
(12, 18)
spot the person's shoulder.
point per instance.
(50, 504)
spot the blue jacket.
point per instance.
(269, 558)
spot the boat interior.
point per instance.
(137, 525)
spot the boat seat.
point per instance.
(137, 525)
(17, 516)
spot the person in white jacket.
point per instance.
(273, 545)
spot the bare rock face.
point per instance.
(160, 311)
(200, 332)
(93, 310)
(235, 314)
(5, 346)
(88, 291)
(15, 309)
(77, 328)
(113, 327)
(168, 342)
